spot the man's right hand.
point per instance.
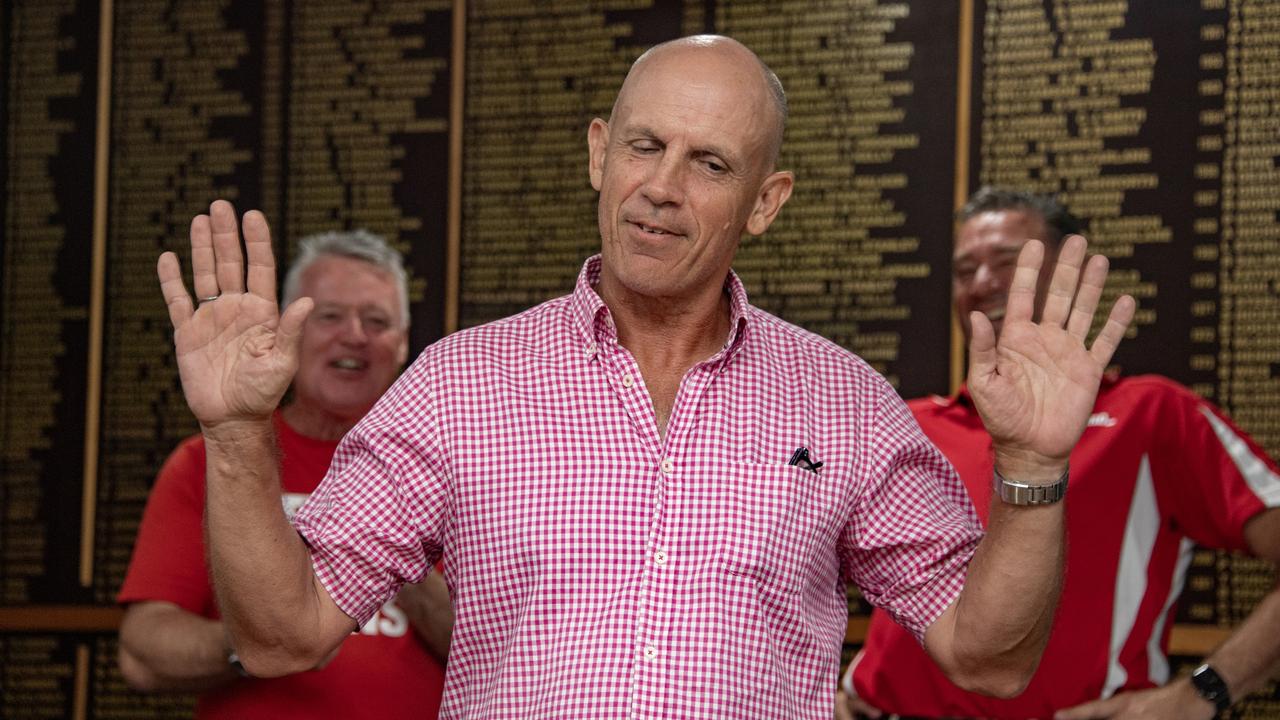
(236, 354)
(852, 707)
(164, 648)
(848, 705)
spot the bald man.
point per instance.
(648, 495)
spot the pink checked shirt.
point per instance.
(599, 572)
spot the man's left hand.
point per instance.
(1036, 386)
(1175, 701)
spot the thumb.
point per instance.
(982, 346)
(289, 331)
(1093, 710)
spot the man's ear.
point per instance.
(597, 144)
(774, 193)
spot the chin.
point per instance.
(353, 407)
(642, 275)
(652, 286)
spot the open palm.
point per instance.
(1036, 386)
(236, 354)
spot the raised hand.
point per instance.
(236, 354)
(1036, 387)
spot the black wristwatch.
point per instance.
(234, 661)
(1210, 686)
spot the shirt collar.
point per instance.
(594, 324)
(739, 327)
(591, 319)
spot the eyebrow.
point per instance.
(1003, 251)
(362, 307)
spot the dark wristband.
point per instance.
(1210, 686)
(234, 661)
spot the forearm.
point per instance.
(164, 648)
(430, 613)
(991, 638)
(278, 616)
(1245, 661)
(1250, 655)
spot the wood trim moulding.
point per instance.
(60, 618)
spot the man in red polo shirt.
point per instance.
(1156, 470)
(172, 638)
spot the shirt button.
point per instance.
(627, 381)
(660, 557)
(667, 466)
(591, 349)
(650, 652)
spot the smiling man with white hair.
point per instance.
(352, 348)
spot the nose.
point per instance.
(664, 185)
(352, 331)
(986, 279)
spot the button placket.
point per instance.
(655, 604)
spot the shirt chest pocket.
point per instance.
(781, 523)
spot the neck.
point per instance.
(316, 424)
(667, 336)
(665, 333)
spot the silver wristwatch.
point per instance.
(1019, 493)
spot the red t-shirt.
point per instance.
(382, 671)
(1156, 470)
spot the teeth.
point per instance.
(347, 364)
(653, 230)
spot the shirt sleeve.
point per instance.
(1214, 476)
(168, 561)
(379, 518)
(913, 528)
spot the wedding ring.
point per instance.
(211, 298)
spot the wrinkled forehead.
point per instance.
(999, 232)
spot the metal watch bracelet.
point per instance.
(1020, 493)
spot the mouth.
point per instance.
(349, 364)
(653, 230)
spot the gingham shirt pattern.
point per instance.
(599, 572)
